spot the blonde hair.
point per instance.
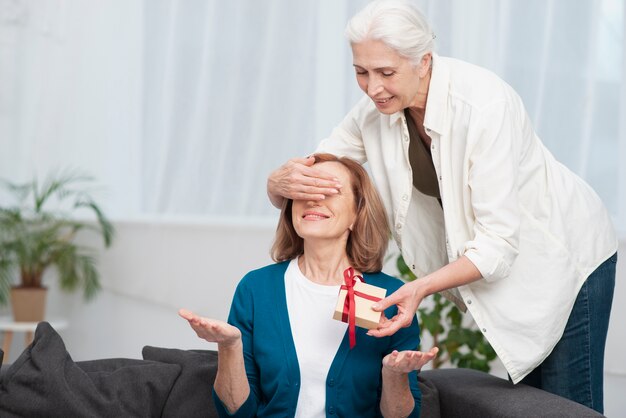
(368, 240)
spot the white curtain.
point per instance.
(182, 107)
(231, 90)
(71, 75)
(566, 62)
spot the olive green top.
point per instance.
(424, 174)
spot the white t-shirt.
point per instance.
(316, 335)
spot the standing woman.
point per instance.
(478, 206)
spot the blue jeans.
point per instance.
(575, 368)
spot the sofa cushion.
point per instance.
(430, 398)
(199, 367)
(191, 396)
(472, 394)
(45, 381)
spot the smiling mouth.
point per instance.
(383, 101)
(314, 216)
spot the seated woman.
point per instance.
(281, 353)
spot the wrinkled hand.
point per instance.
(212, 330)
(403, 362)
(298, 180)
(407, 299)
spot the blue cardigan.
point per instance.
(354, 382)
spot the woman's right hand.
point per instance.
(298, 180)
(212, 330)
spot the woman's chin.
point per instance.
(313, 237)
(388, 108)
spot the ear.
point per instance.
(425, 64)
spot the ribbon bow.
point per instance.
(349, 314)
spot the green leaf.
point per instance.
(405, 272)
(455, 317)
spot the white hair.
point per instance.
(396, 23)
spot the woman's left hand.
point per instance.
(403, 362)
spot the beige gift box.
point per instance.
(365, 316)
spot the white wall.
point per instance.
(156, 267)
(153, 269)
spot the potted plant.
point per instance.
(38, 231)
(461, 345)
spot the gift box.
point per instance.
(354, 304)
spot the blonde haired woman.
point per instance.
(281, 353)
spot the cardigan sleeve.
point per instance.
(241, 316)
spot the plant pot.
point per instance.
(28, 303)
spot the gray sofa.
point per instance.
(45, 381)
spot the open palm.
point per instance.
(212, 330)
(408, 360)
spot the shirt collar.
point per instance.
(438, 91)
(394, 117)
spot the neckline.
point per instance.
(302, 280)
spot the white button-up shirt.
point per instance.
(533, 229)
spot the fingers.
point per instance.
(408, 360)
(312, 172)
(308, 161)
(387, 329)
(433, 351)
(392, 359)
(427, 357)
(385, 303)
(297, 179)
(403, 361)
(186, 314)
(316, 181)
(194, 320)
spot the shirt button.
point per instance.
(484, 329)
(398, 226)
(427, 129)
(331, 382)
(405, 197)
(432, 147)
(331, 410)
(413, 266)
(469, 301)
(439, 177)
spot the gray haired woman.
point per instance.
(480, 209)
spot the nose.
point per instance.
(374, 87)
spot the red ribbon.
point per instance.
(349, 315)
